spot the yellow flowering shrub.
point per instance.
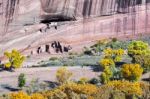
(119, 90)
(19, 95)
(87, 89)
(37, 96)
(113, 89)
(119, 52)
(63, 75)
(108, 52)
(106, 62)
(115, 55)
(138, 48)
(126, 86)
(83, 80)
(15, 59)
(106, 75)
(54, 94)
(132, 72)
(65, 90)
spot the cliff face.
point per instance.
(88, 8)
(16, 13)
(92, 19)
(27, 11)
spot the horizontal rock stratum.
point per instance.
(78, 21)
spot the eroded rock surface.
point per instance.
(24, 23)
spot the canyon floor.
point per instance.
(8, 80)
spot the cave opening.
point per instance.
(49, 19)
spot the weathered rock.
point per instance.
(95, 19)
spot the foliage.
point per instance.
(100, 45)
(132, 72)
(37, 96)
(146, 90)
(115, 44)
(107, 62)
(19, 95)
(115, 55)
(15, 59)
(111, 90)
(21, 80)
(144, 61)
(83, 80)
(70, 90)
(106, 75)
(36, 86)
(119, 90)
(138, 48)
(63, 75)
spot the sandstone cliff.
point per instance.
(86, 20)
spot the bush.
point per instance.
(131, 72)
(106, 75)
(118, 44)
(37, 96)
(63, 75)
(72, 91)
(99, 46)
(146, 90)
(107, 62)
(21, 80)
(144, 61)
(111, 90)
(138, 48)
(115, 55)
(36, 86)
(19, 95)
(83, 80)
(15, 59)
(119, 90)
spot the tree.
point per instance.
(15, 59)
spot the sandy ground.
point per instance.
(43, 74)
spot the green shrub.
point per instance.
(118, 44)
(21, 80)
